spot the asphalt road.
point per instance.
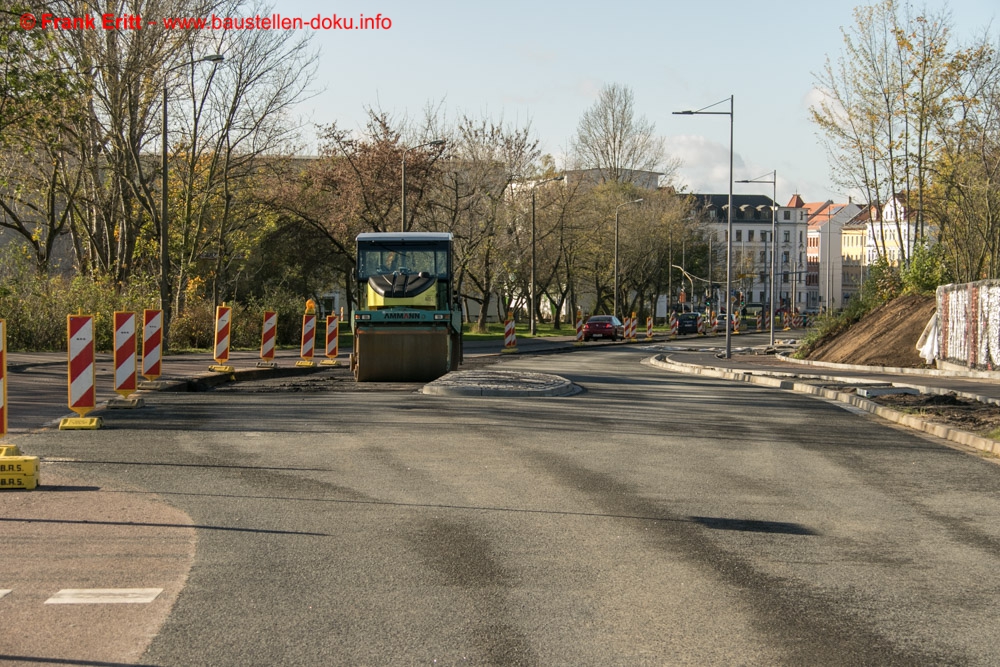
(37, 394)
(652, 519)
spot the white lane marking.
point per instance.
(104, 596)
(4, 592)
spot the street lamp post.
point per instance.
(402, 220)
(532, 290)
(215, 59)
(729, 224)
(774, 243)
(617, 208)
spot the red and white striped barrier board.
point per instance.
(3, 378)
(633, 326)
(308, 348)
(332, 336)
(509, 337)
(125, 353)
(737, 322)
(80, 339)
(627, 326)
(579, 326)
(673, 324)
(223, 320)
(268, 335)
(152, 344)
(649, 328)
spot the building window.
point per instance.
(763, 257)
(788, 215)
(788, 236)
(750, 235)
(761, 297)
(739, 235)
(784, 257)
(784, 277)
(800, 237)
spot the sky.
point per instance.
(544, 63)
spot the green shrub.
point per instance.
(36, 306)
(195, 326)
(926, 271)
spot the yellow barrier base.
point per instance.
(125, 403)
(266, 364)
(152, 385)
(305, 364)
(222, 369)
(18, 465)
(9, 450)
(509, 350)
(23, 482)
(328, 362)
(80, 423)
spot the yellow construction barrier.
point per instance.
(16, 470)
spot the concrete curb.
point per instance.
(929, 372)
(787, 383)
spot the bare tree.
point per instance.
(237, 118)
(472, 199)
(616, 142)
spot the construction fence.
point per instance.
(968, 324)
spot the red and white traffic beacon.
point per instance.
(268, 339)
(16, 470)
(308, 349)
(152, 344)
(81, 372)
(223, 322)
(125, 366)
(332, 340)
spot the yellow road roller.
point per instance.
(408, 326)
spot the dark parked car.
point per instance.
(687, 323)
(603, 326)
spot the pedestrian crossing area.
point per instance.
(97, 595)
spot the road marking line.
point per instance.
(104, 596)
(4, 592)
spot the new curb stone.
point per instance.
(500, 383)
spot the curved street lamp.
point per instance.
(729, 224)
(402, 220)
(617, 208)
(215, 59)
(532, 290)
(774, 244)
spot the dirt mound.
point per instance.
(886, 336)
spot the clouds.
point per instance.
(704, 163)
(705, 170)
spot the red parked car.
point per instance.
(603, 326)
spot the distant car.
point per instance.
(603, 326)
(721, 319)
(687, 323)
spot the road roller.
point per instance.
(407, 326)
